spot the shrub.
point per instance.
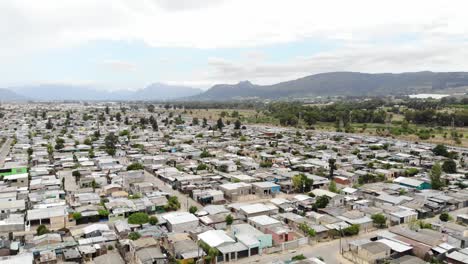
(138, 218)
(445, 217)
(41, 230)
(135, 166)
(153, 220)
(134, 236)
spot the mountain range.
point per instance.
(323, 84)
(345, 84)
(59, 92)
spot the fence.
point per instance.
(288, 245)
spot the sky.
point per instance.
(128, 44)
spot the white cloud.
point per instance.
(119, 65)
(439, 29)
(235, 23)
(441, 56)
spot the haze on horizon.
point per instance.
(124, 44)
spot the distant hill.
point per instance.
(160, 91)
(344, 84)
(57, 92)
(7, 95)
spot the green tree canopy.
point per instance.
(302, 183)
(193, 209)
(41, 230)
(379, 219)
(435, 175)
(449, 166)
(138, 218)
(135, 166)
(322, 201)
(229, 219)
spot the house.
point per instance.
(110, 257)
(265, 188)
(180, 221)
(229, 249)
(17, 180)
(233, 191)
(251, 237)
(412, 183)
(334, 198)
(146, 250)
(257, 209)
(263, 222)
(458, 257)
(373, 251)
(54, 217)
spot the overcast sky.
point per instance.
(132, 43)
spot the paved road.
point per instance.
(329, 251)
(5, 149)
(183, 199)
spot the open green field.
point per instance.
(438, 135)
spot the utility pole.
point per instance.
(341, 235)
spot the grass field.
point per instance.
(257, 117)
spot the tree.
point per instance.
(205, 154)
(307, 230)
(332, 167)
(435, 175)
(103, 213)
(107, 110)
(379, 219)
(351, 230)
(229, 219)
(110, 141)
(173, 203)
(322, 201)
(49, 124)
(42, 230)
(449, 166)
(134, 236)
(76, 216)
(302, 183)
(153, 220)
(220, 124)
(332, 187)
(237, 124)
(444, 217)
(151, 108)
(193, 209)
(138, 218)
(440, 150)
(135, 166)
(59, 143)
(195, 121)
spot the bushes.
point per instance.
(134, 236)
(41, 230)
(202, 167)
(449, 166)
(445, 217)
(135, 166)
(138, 218)
(379, 219)
(351, 230)
(307, 230)
(193, 209)
(172, 203)
(229, 219)
(153, 220)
